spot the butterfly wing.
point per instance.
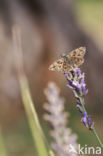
(77, 56)
(79, 52)
(61, 65)
(57, 65)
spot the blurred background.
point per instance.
(49, 28)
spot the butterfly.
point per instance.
(67, 63)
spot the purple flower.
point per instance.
(84, 119)
(90, 123)
(77, 83)
(57, 117)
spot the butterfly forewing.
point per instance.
(79, 52)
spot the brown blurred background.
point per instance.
(49, 28)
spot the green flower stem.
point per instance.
(95, 133)
(93, 130)
(39, 139)
(2, 146)
(42, 147)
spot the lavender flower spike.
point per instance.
(62, 135)
(78, 86)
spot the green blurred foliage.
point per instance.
(90, 17)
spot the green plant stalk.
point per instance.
(93, 130)
(2, 146)
(39, 138)
(96, 135)
(42, 147)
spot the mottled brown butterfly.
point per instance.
(67, 63)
